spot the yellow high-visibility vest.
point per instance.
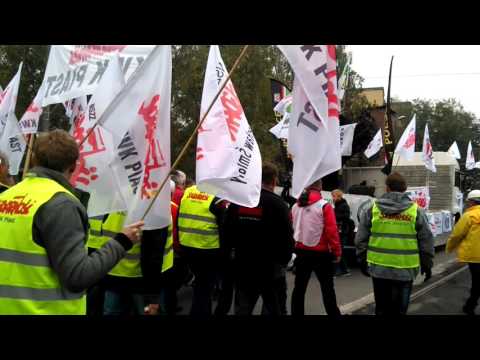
(28, 283)
(197, 226)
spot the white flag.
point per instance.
(427, 152)
(229, 163)
(470, 163)
(93, 173)
(12, 142)
(76, 70)
(30, 120)
(454, 151)
(343, 81)
(309, 63)
(375, 145)
(346, 138)
(406, 144)
(281, 129)
(140, 115)
(315, 147)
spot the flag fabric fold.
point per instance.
(427, 152)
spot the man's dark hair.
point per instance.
(55, 150)
(269, 173)
(396, 182)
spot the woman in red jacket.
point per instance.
(317, 246)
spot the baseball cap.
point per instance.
(474, 195)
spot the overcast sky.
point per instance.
(423, 71)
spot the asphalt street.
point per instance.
(354, 293)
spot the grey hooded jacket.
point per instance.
(394, 203)
(61, 227)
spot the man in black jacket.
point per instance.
(342, 215)
(263, 241)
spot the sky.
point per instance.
(433, 72)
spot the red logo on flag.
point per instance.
(232, 108)
(93, 145)
(410, 140)
(154, 158)
(32, 108)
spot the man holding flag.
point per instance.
(45, 239)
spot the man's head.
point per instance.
(473, 198)
(337, 195)
(317, 185)
(4, 176)
(269, 176)
(179, 178)
(56, 150)
(396, 183)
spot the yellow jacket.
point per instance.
(465, 237)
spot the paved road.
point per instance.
(353, 292)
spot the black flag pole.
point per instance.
(388, 136)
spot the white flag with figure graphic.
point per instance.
(229, 164)
(309, 63)
(30, 120)
(454, 151)
(406, 145)
(427, 151)
(139, 120)
(375, 145)
(470, 163)
(93, 173)
(12, 142)
(315, 144)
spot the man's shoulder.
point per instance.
(268, 198)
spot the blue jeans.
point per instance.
(123, 303)
(392, 297)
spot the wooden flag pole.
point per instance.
(26, 166)
(192, 137)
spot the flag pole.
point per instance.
(29, 155)
(192, 137)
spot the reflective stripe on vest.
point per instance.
(129, 266)
(95, 238)
(393, 239)
(197, 226)
(28, 283)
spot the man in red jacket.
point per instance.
(317, 246)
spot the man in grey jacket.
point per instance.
(60, 226)
(399, 245)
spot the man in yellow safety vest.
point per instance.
(393, 242)
(200, 221)
(44, 265)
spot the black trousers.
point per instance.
(204, 265)
(322, 265)
(226, 282)
(475, 289)
(281, 290)
(392, 297)
(251, 282)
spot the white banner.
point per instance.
(346, 138)
(375, 145)
(406, 144)
(427, 152)
(75, 70)
(419, 195)
(93, 173)
(229, 163)
(454, 151)
(140, 114)
(12, 142)
(309, 63)
(470, 162)
(30, 120)
(315, 148)
(281, 129)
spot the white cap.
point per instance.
(474, 195)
